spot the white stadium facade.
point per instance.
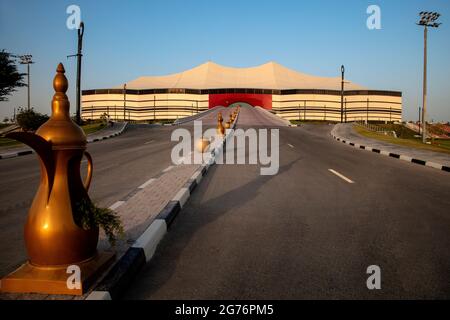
(287, 93)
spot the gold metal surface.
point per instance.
(52, 238)
(220, 127)
(202, 145)
(53, 280)
(51, 235)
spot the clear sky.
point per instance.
(127, 39)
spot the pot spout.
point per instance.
(43, 148)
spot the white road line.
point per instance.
(149, 141)
(290, 145)
(116, 205)
(341, 176)
(167, 169)
(147, 183)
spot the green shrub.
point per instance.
(87, 215)
(30, 120)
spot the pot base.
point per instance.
(54, 280)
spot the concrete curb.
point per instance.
(109, 136)
(392, 155)
(26, 152)
(120, 275)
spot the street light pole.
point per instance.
(342, 92)
(79, 55)
(124, 102)
(420, 118)
(424, 96)
(27, 59)
(427, 19)
(28, 73)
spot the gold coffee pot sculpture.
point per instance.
(52, 237)
(220, 127)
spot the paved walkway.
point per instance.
(346, 132)
(144, 204)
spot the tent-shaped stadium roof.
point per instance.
(214, 76)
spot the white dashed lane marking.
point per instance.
(341, 176)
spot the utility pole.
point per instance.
(27, 59)
(124, 101)
(420, 118)
(79, 55)
(304, 110)
(427, 19)
(154, 108)
(367, 111)
(345, 110)
(342, 92)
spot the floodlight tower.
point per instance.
(427, 19)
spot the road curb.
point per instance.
(120, 275)
(391, 154)
(27, 152)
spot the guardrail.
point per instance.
(375, 128)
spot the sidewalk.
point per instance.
(344, 132)
(116, 129)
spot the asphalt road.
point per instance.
(307, 232)
(121, 165)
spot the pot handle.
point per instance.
(87, 182)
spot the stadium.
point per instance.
(287, 93)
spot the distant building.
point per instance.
(287, 93)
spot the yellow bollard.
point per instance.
(202, 145)
(220, 127)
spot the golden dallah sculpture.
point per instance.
(52, 237)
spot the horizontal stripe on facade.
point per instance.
(243, 90)
(335, 101)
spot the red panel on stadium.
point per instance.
(226, 99)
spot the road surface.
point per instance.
(121, 165)
(307, 232)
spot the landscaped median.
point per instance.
(408, 139)
(346, 133)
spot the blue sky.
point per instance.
(128, 39)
